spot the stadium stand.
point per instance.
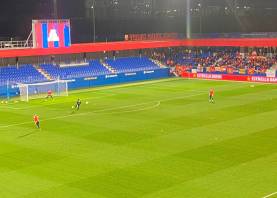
(34, 74)
(224, 62)
(20, 74)
(132, 64)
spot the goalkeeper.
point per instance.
(49, 94)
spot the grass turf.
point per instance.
(157, 139)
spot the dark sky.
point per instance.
(165, 16)
(16, 15)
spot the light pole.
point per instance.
(55, 9)
(93, 20)
(188, 35)
(200, 16)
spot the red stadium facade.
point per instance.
(136, 45)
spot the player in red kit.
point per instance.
(211, 95)
(49, 94)
(36, 120)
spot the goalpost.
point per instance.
(40, 90)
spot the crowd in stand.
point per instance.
(218, 61)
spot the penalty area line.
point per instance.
(136, 110)
(158, 102)
(58, 103)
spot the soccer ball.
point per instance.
(86, 102)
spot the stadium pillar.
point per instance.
(53, 60)
(188, 20)
(85, 57)
(114, 55)
(17, 62)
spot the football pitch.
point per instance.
(154, 139)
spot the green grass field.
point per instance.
(155, 139)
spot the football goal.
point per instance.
(40, 90)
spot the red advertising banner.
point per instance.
(209, 76)
(262, 79)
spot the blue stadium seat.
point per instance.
(132, 64)
(22, 74)
(94, 68)
(29, 74)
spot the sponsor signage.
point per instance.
(209, 76)
(231, 77)
(263, 79)
(148, 72)
(91, 78)
(111, 76)
(130, 74)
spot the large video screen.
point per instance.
(51, 33)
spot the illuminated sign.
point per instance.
(51, 33)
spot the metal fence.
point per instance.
(16, 44)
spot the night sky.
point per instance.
(16, 15)
(117, 17)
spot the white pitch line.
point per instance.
(18, 124)
(114, 108)
(45, 105)
(270, 195)
(124, 107)
(142, 84)
(123, 86)
(108, 95)
(107, 109)
(137, 110)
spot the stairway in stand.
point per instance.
(110, 68)
(158, 63)
(45, 74)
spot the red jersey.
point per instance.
(49, 93)
(36, 118)
(212, 92)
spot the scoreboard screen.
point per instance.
(51, 33)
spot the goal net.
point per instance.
(40, 90)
